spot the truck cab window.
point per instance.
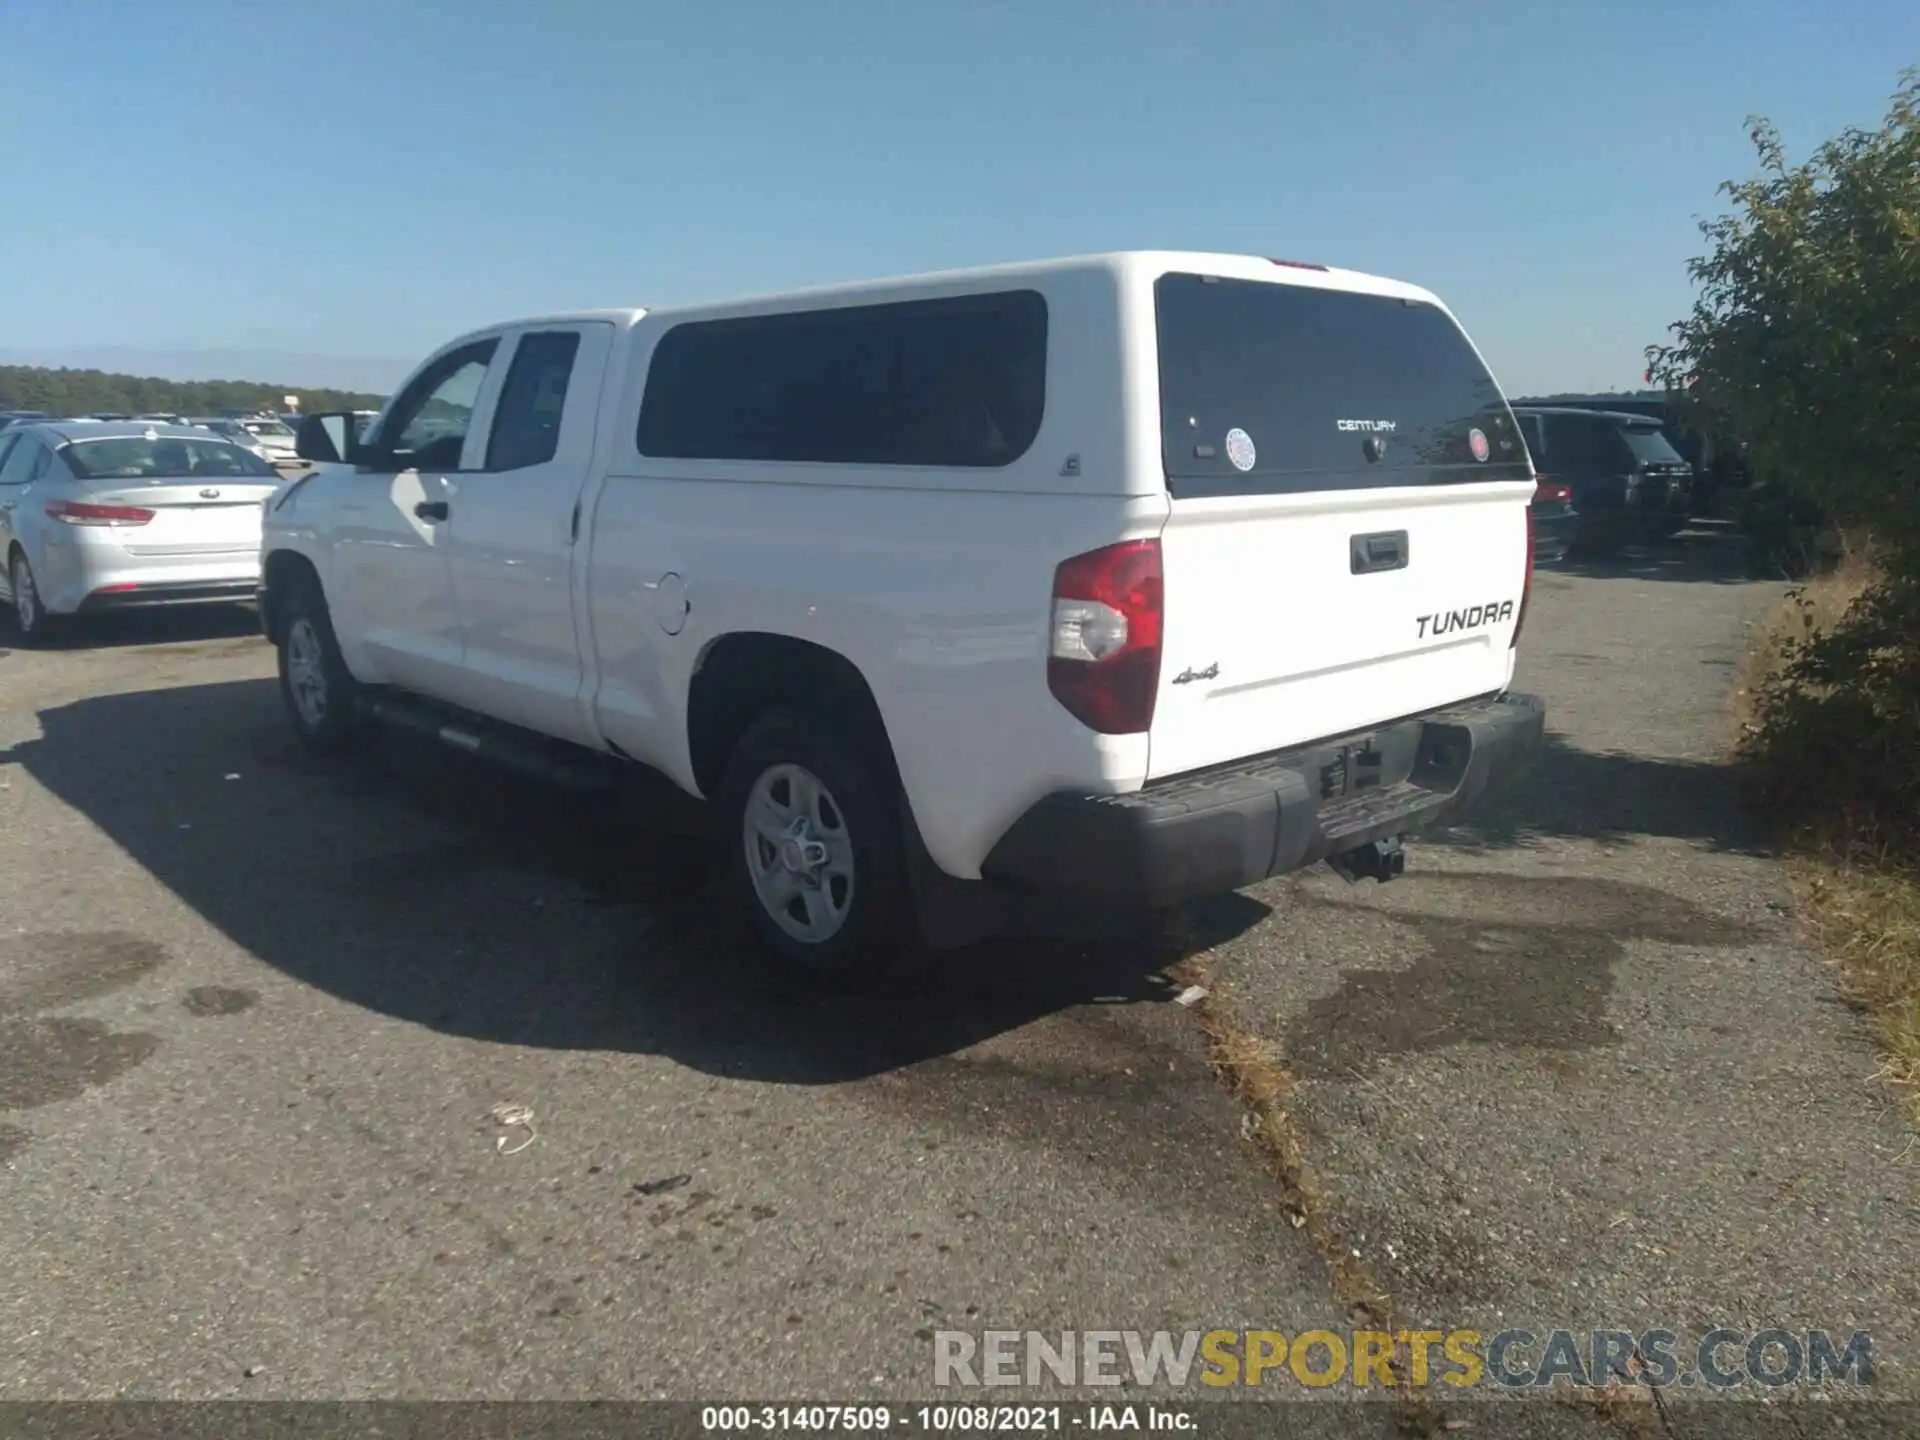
(526, 424)
(428, 427)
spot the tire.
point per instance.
(841, 871)
(321, 695)
(32, 625)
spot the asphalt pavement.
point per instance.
(257, 1014)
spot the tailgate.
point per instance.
(1347, 538)
(1291, 619)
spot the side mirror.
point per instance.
(327, 439)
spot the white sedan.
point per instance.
(97, 517)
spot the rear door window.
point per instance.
(1268, 388)
(19, 461)
(526, 422)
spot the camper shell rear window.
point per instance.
(1268, 388)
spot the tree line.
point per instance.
(79, 392)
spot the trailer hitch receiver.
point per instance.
(1383, 860)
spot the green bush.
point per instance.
(1789, 532)
(1834, 742)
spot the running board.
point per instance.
(553, 761)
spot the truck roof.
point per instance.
(1122, 264)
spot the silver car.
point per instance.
(98, 517)
(272, 440)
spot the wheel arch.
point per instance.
(280, 572)
(742, 675)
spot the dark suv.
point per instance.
(1628, 481)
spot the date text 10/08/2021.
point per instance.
(945, 1419)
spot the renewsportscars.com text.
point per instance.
(1720, 1359)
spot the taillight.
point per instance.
(1526, 586)
(1103, 659)
(75, 512)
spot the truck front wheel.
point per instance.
(815, 849)
(322, 698)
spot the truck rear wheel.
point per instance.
(816, 859)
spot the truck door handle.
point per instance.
(431, 509)
(1385, 550)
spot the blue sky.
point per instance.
(320, 193)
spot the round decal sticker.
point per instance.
(1240, 451)
(1477, 443)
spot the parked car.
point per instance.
(1626, 482)
(1555, 521)
(273, 436)
(10, 418)
(269, 439)
(1718, 462)
(104, 517)
(230, 430)
(936, 590)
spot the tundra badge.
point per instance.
(1471, 618)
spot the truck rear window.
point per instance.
(1269, 388)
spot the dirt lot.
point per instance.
(1574, 1070)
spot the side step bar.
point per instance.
(529, 754)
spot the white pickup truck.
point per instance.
(1136, 577)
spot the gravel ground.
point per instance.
(1575, 1070)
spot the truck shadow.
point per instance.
(424, 886)
(1613, 797)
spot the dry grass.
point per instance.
(1865, 911)
(1860, 899)
(1826, 598)
(1254, 1072)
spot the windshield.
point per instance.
(269, 427)
(1268, 387)
(134, 457)
(1650, 446)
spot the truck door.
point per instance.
(390, 542)
(512, 525)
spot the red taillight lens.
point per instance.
(75, 512)
(1526, 586)
(1560, 493)
(1103, 660)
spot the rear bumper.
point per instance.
(83, 569)
(170, 592)
(1554, 534)
(1220, 829)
